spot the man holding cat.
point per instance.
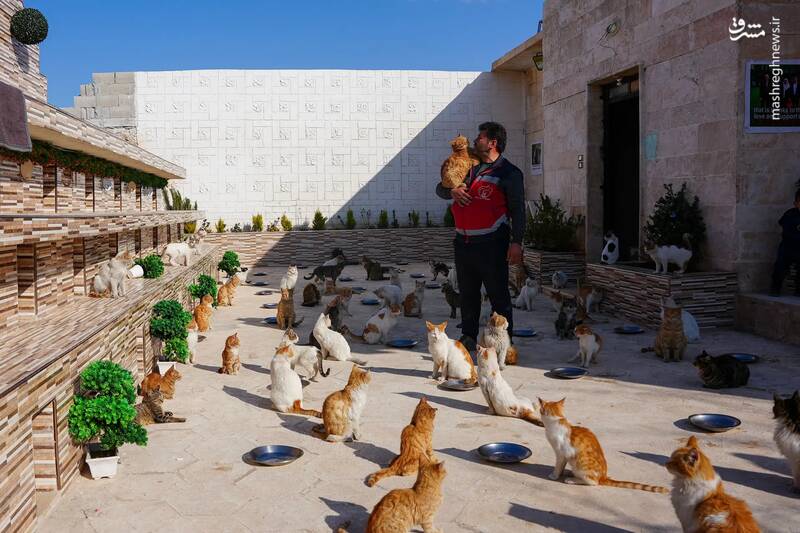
(789, 249)
(491, 197)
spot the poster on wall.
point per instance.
(772, 97)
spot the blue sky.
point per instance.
(125, 35)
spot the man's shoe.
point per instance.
(468, 342)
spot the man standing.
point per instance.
(492, 195)
(789, 249)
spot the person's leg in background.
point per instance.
(779, 271)
(494, 269)
(469, 286)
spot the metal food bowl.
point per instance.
(628, 329)
(271, 320)
(270, 306)
(524, 332)
(714, 422)
(458, 384)
(370, 301)
(260, 274)
(504, 452)
(569, 372)
(345, 278)
(263, 293)
(417, 275)
(744, 357)
(402, 343)
(273, 455)
(433, 285)
(259, 283)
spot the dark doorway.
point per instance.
(621, 165)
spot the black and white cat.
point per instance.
(787, 432)
(439, 268)
(662, 256)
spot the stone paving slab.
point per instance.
(191, 476)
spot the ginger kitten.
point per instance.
(230, 355)
(456, 167)
(285, 315)
(225, 295)
(341, 411)
(498, 393)
(579, 447)
(450, 358)
(166, 383)
(589, 345)
(202, 313)
(699, 499)
(416, 445)
(670, 340)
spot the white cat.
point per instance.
(286, 388)
(691, 329)
(788, 440)
(390, 294)
(449, 356)
(111, 276)
(179, 253)
(309, 358)
(192, 339)
(332, 343)
(495, 336)
(394, 278)
(662, 256)
(498, 393)
(559, 280)
(289, 280)
(527, 295)
(380, 325)
(610, 253)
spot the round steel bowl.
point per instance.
(402, 343)
(273, 455)
(628, 329)
(569, 372)
(504, 452)
(524, 332)
(715, 422)
(458, 384)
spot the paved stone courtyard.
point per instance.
(191, 476)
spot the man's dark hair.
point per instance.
(495, 132)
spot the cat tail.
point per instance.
(321, 369)
(608, 482)
(311, 275)
(297, 408)
(359, 362)
(343, 527)
(529, 415)
(345, 331)
(648, 349)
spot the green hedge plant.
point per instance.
(383, 219)
(176, 349)
(319, 220)
(104, 408)
(449, 221)
(229, 263)
(550, 228)
(205, 285)
(152, 265)
(220, 226)
(673, 216)
(258, 222)
(350, 220)
(286, 224)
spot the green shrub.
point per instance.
(190, 227)
(286, 224)
(550, 229)
(413, 219)
(168, 328)
(174, 201)
(221, 226)
(230, 263)
(171, 310)
(319, 221)
(152, 265)
(428, 221)
(383, 219)
(449, 221)
(104, 407)
(205, 285)
(395, 223)
(29, 26)
(672, 217)
(350, 220)
(176, 350)
(258, 222)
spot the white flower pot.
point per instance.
(164, 366)
(100, 467)
(136, 271)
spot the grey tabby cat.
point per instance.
(721, 372)
(566, 321)
(453, 298)
(150, 411)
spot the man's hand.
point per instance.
(461, 195)
(514, 256)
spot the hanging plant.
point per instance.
(29, 26)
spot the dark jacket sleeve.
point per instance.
(443, 192)
(514, 188)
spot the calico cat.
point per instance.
(326, 271)
(285, 315)
(375, 272)
(287, 389)
(787, 432)
(458, 164)
(690, 327)
(590, 297)
(670, 340)
(721, 372)
(202, 313)
(341, 411)
(289, 280)
(453, 298)
(439, 268)
(332, 343)
(589, 345)
(379, 325)
(699, 499)
(450, 358)
(566, 321)
(416, 445)
(527, 295)
(230, 356)
(165, 383)
(495, 335)
(412, 304)
(498, 393)
(401, 509)
(110, 279)
(579, 447)
(559, 280)
(390, 294)
(662, 256)
(309, 358)
(311, 295)
(150, 411)
(192, 338)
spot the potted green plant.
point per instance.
(229, 263)
(152, 266)
(205, 285)
(103, 416)
(549, 228)
(675, 215)
(168, 331)
(319, 221)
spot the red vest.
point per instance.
(488, 209)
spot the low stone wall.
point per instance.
(635, 293)
(314, 247)
(40, 371)
(544, 264)
(767, 316)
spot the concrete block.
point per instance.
(107, 100)
(103, 77)
(125, 77)
(85, 101)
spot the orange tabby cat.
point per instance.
(285, 314)
(416, 445)
(233, 284)
(580, 448)
(700, 501)
(402, 509)
(202, 313)
(456, 167)
(341, 411)
(671, 340)
(224, 295)
(166, 383)
(230, 355)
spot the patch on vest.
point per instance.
(484, 192)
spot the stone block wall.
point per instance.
(543, 265)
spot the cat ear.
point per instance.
(443, 325)
(692, 442)
(561, 401)
(541, 402)
(429, 326)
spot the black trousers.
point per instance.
(483, 263)
(782, 264)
